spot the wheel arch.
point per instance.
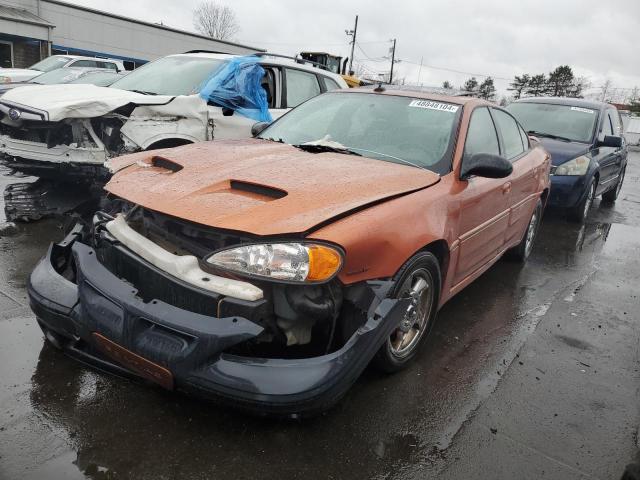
(440, 249)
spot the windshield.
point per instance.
(574, 123)
(101, 79)
(176, 75)
(403, 130)
(50, 63)
(61, 75)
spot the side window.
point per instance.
(481, 136)
(109, 65)
(269, 84)
(615, 122)
(607, 128)
(510, 132)
(300, 86)
(330, 84)
(524, 137)
(85, 63)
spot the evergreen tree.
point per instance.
(519, 85)
(487, 89)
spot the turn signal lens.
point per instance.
(324, 262)
(291, 262)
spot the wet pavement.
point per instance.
(531, 372)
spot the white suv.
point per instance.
(11, 75)
(71, 130)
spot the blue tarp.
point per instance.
(238, 86)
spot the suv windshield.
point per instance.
(175, 75)
(50, 63)
(397, 129)
(565, 121)
(60, 75)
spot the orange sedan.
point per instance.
(270, 272)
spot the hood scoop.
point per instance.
(256, 189)
(166, 164)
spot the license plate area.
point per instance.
(134, 362)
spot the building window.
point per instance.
(6, 54)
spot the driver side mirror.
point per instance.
(257, 128)
(485, 165)
(613, 141)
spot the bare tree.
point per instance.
(215, 20)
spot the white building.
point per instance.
(33, 29)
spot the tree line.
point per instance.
(561, 82)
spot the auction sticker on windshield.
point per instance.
(443, 107)
(583, 110)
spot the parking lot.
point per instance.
(532, 372)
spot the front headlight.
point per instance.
(577, 166)
(4, 79)
(289, 262)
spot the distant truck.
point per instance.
(12, 75)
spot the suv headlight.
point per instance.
(288, 262)
(577, 166)
(4, 79)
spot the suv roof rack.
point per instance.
(207, 51)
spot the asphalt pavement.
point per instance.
(531, 372)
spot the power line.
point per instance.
(457, 71)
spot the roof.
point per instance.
(272, 60)
(417, 92)
(148, 24)
(23, 16)
(573, 102)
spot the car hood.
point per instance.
(562, 152)
(260, 187)
(78, 100)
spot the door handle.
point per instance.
(506, 188)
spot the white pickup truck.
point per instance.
(72, 130)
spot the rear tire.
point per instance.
(419, 277)
(580, 212)
(521, 252)
(612, 195)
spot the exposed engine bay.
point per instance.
(299, 321)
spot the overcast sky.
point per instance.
(500, 38)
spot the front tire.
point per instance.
(420, 279)
(580, 212)
(612, 195)
(521, 252)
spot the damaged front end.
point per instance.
(132, 293)
(69, 148)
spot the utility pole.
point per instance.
(420, 70)
(352, 34)
(393, 59)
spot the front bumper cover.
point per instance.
(101, 321)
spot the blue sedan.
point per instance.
(588, 152)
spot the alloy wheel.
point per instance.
(418, 287)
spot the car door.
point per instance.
(523, 181)
(484, 208)
(231, 125)
(299, 86)
(607, 157)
